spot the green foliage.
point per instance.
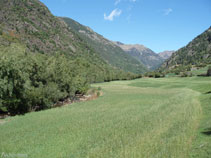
(183, 74)
(62, 63)
(106, 49)
(154, 74)
(186, 74)
(98, 94)
(157, 75)
(33, 81)
(197, 52)
(209, 71)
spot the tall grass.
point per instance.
(145, 118)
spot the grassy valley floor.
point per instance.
(144, 118)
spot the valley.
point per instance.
(68, 90)
(141, 118)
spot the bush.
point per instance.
(98, 94)
(154, 74)
(186, 74)
(35, 81)
(157, 75)
(149, 74)
(13, 83)
(209, 71)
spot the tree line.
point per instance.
(34, 81)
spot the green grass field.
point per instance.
(144, 118)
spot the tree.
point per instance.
(209, 71)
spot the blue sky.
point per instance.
(158, 24)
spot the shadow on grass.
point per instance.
(3, 115)
(208, 92)
(207, 132)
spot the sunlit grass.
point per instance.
(145, 118)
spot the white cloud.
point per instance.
(114, 13)
(117, 2)
(167, 11)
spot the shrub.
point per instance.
(209, 71)
(149, 74)
(183, 74)
(186, 74)
(157, 75)
(14, 82)
(98, 94)
(177, 72)
(154, 74)
(35, 81)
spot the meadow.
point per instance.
(143, 118)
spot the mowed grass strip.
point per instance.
(126, 122)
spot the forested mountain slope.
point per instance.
(31, 23)
(43, 61)
(110, 52)
(197, 52)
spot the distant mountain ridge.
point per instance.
(166, 54)
(197, 52)
(105, 48)
(145, 55)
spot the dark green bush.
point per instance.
(14, 82)
(209, 71)
(98, 94)
(157, 75)
(154, 74)
(34, 81)
(186, 74)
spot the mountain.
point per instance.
(166, 54)
(30, 24)
(106, 49)
(145, 55)
(43, 61)
(197, 52)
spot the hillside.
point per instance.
(166, 54)
(43, 61)
(31, 24)
(106, 49)
(197, 52)
(35, 26)
(145, 55)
